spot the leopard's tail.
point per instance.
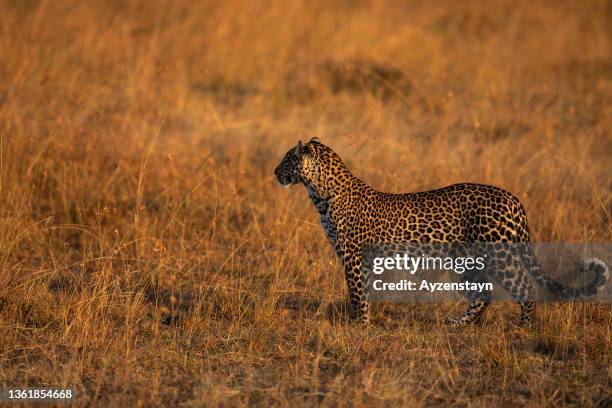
(597, 266)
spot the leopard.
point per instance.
(354, 215)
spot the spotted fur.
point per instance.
(353, 215)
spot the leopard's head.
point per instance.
(311, 164)
(289, 170)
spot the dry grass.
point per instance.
(147, 256)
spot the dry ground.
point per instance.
(147, 256)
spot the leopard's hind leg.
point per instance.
(510, 272)
(479, 301)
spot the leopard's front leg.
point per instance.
(356, 281)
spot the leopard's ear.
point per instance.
(314, 140)
(299, 149)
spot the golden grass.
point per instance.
(147, 256)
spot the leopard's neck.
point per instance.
(329, 206)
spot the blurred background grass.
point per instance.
(148, 257)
